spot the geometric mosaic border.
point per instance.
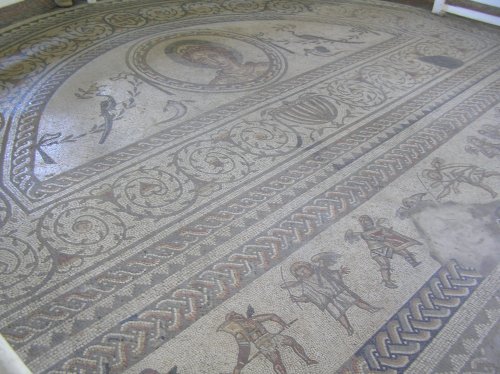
(127, 343)
(412, 328)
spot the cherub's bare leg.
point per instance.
(364, 305)
(347, 325)
(342, 318)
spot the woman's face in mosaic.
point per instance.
(211, 58)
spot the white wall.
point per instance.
(8, 2)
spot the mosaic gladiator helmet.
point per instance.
(231, 316)
(366, 221)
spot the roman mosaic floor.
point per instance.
(250, 186)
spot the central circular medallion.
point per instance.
(206, 61)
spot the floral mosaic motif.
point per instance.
(82, 228)
(311, 44)
(387, 78)
(160, 13)
(175, 110)
(356, 34)
(49, 47)
(356, 93)
(174, 312)
(112, 108)
(289, 7)
(124, 20)
(209, 162)
(322, 285)
(50, 139)
(372, 86)
(449, 177)
(42, 190)
(412, 63)
(461, 43)
(316, 45)
(265, 138)
(201, 8)
(18, 261)
(4, 210)
(114, 105)
(243, 6)
(23, 268)
(87, 30)
(154, 192)
(15, 68)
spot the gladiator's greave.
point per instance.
(386, 273)
(412, 260)
(243, 354)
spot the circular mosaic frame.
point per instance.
(136, 60)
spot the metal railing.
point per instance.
(440, 7)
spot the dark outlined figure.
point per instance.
(324, 287)
(383, 243)
(486, 145)
(250, 330)
(450, 176)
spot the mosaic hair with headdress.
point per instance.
(299, 265)
(182, 51)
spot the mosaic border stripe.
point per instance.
(166, 317)
(394, 346)
(178, 241)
